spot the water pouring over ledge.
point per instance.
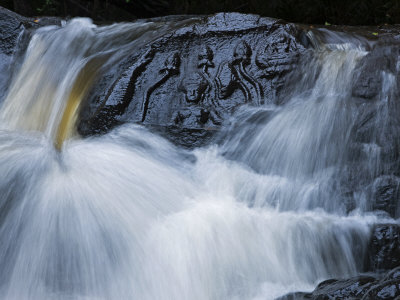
(49, 98)
(127, 215)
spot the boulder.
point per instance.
(193, 78)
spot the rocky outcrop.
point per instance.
(360, 287)
(192, 79)
(353, 288)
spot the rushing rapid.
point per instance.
(127, 215)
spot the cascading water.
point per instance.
(129, 216)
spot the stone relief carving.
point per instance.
(196, 89)
(196, 76)
(205, 62)
(171, 68)
(194, 86)
(202, 95)
(199, 91)
(106, 110)
(278, 56)
(203, 91)
(234, 75)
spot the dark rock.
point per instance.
(185, 137)
(369, 73)
(385, 194)
(343, 289)
(362, 287)
(194, 78)
(383, 290)
(384, 248)
(393, 274)
(11, 26)
(15, 30)
(332, 289)
(365, 123)
(296, 296)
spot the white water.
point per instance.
(129, 216)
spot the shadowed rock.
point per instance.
(384, 249)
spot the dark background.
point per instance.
(350, 12)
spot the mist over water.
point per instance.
(128, 215)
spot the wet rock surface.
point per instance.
(384, 248)
(375, 138)
(380, 61)
(11, 25)
(10, 29)
(360, 287)
(194, 78)
(14, 35)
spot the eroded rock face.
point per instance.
(195, 77)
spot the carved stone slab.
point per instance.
(196, 76)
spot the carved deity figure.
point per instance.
(171, 68)
(195, 88)
(233, 75)
(278, 56)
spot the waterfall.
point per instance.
(128, 215)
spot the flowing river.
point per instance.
(128, 215)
